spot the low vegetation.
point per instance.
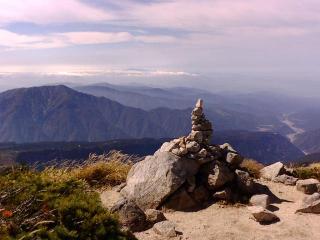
(61, 203)
(310, 171)
(252, 166)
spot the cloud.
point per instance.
(13, 41)
(221, 15)
(50, 11)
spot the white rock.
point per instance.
(262, 200)
(272, 171)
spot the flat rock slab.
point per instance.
(307, 186)
(152, 180)
(263, 215)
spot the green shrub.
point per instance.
(37, 206)
(311, 171)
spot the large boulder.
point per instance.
(152, 180)
(130, 215)
(310, 204)
(272, 171)
(307, 186)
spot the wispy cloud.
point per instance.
(50, 11)
(13, 41)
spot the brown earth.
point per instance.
(220, 222)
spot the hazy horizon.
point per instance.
(216, 45)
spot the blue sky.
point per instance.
(171, 37)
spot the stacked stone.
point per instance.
(197, 144)
(201, 127)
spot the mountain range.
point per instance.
(104, 112)
(59, 113)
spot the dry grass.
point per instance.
(310, 171)
(252, 166)
(99, 171)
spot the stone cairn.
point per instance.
(197, 144)
(188, 173)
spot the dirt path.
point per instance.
(233, 223)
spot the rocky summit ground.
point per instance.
(220, 222)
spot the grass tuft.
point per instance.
(252, 166)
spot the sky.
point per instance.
(211, 43)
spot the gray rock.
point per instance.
(307, 186)
(168, 146)
(130, 215)
(234, 159)
(154, 216)
(220, 176)
(244, 182)
(272, 171)
(199, 103)
(310, 204)
(180, 200)
(262, 200)
(196, 136)
(263, 215)
(197, 111)
(152, 180)
(193, 146)
(285, 179)
(202, 153)
(165, 228)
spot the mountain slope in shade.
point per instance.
(262, 146)
(307, 119)
(58, 113)
(308, 141)
(263, 109)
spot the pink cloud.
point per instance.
(50, 11)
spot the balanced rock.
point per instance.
(307, 186)
(263, 215)
(310, 204)
(165, 228)
(152, 180)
